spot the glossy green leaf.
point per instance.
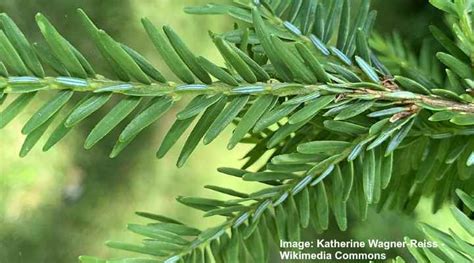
(361, 17)
(259, 71)
(123, 58)
(319, 25)
(207, 9)
(332, 18)
(119, 147)
(218, 72)
(357, 150)
(302, 183)
(457, 148)
(235, 60)
(253, 114)
(442, 116)
(84, 62)
(268, 176)
(267, 43)
(240, 219)
(144, 64)
(386, 171)
(62, 130)
(231, 252)
(455, 84)
(225, 118)
(358, 197)
(398, 138)
(3, 71)
(354, 110)
(341, 56)
(87, 259)
(313, 63)
(387, 112)
(147, 117)
(302, 98)
(348, 178)
(303, 204)
(446, 6)
(344, 24)
(463, 220)
(323, 147)
(367, 69)
(296, 66)
(11, 57)
(93, 33)
(294, 230)
(162, 246)
(273, 116)
(283, 132)
(447, 43)
(156, 217)
(308, 15)
(412, 85)
(457, 66)
(345, 127)
(447, 94)
(323, 168)
(442, 237)
(466, 199)
(157, 234)
(197, 105)
(60, 47)
(186, 55)
(111, 120)
(386, 133)
(48, 58)
(232, 171)
(463, 244)
(33, 137)
(199, 130)
(47, 111)
(362, 45)
(415, 252)
(311, 109)
(226, 191)
(167, 52)
(345, 73)
(226, 211)
(89, 106)
(256, 246)
(369, 175)
(378, 175)
(178, 229)
(134, 248)
(15, 107)
(463, 119)
(432, 257)
(337, 203)
(200, 203)
(21, 44)
(470, 159)
(322, 205)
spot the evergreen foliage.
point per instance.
(351, 119)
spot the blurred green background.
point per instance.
(58, 205)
